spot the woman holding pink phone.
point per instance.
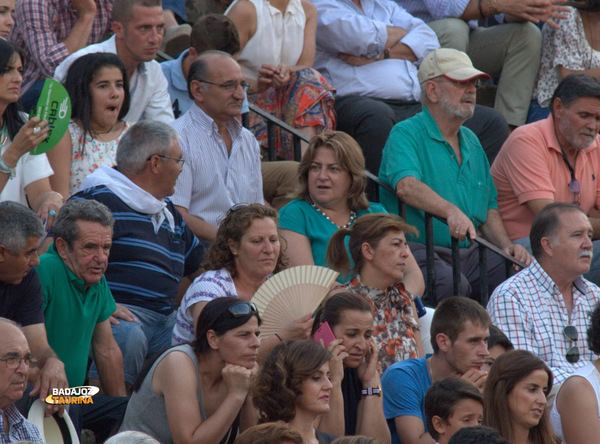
(349, 318)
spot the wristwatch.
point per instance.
(370, 391)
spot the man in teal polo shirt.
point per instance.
(438, 166)
(77, 300)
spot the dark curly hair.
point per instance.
(233, 226)
(278, 386)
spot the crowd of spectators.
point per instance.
(131, 251)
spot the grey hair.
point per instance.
(131, 437)
(143, 140)
(65, 226)
(17, 224)
(199, 70)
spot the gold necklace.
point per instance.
(95, 133)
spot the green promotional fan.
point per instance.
(54, 105)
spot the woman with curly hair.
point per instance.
(246, 252)
(575, 414)
(293, 386)
(515, 398)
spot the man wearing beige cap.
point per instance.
(438, 166)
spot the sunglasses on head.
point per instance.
(571, 334)
(241, 309)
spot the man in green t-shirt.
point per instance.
(437, 165)
(77, 300)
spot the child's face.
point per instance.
(495, 352)
(467, 413)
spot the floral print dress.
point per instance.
(394, 326)
(94, 153)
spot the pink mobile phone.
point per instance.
(324, 332)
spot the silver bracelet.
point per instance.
(4, 168)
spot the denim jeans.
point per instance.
(138, 340)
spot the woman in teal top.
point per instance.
(331, 195)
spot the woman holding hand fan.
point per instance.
(246, 252)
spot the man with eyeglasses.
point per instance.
(223, 165)
(554, 160)
(438, 166)
(545, 308)
(153, 249)
(16, 361)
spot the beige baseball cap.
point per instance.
(451, 63)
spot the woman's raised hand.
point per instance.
(336, 363)
(298, 329)
(29, 136)
(367, 371)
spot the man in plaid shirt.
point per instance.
(49, 30)
(545, 308)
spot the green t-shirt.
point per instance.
(71, 313)
(415, 147)
(300, 216)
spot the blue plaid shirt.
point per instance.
(19, 429)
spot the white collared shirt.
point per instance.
(148, 86)
(212, 181)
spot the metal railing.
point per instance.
(298, 137)
(483, 244)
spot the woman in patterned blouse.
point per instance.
(379, 250)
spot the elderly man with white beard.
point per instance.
(554, 160)
(437, 165)
(545, 308)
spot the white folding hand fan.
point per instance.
(291, 294)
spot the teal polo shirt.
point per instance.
(71, 313)
(415, 147)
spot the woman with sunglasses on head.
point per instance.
(293, 386)
(199, 392)
(24, 178)
(245, 253)
(99, 90)
(380, 254)
(515, 398)
(575, 414)
(350, 318)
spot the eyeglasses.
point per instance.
(464, 83)
(571, 334)
(179, 160)
(14, 362)
(241, 309)
(229, 86)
